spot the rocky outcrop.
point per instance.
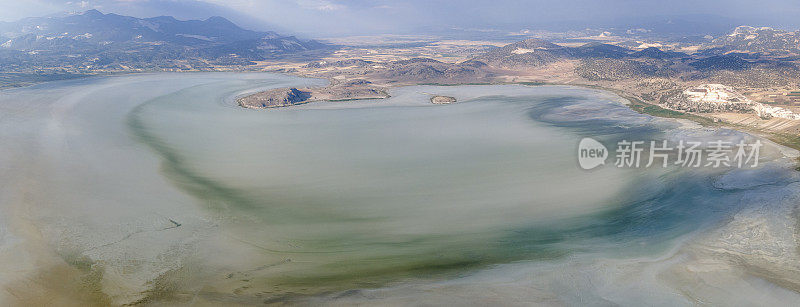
(280, 97)
(348, 92)
(442, 99)
(338, 91)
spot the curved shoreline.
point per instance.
(637, 103)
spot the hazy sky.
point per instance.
(348, 17)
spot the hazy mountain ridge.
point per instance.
(743, 46)
(537, 52)
(96, 40)
(725, 63)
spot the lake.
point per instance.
(158, 188)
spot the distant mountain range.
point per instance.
(536, 52)
(743, 49)
(96, 40)
(760, 40)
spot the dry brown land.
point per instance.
(386, 68)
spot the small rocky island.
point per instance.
(437, 99)
(279, 97)
(338, 91)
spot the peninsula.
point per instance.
(339, 91)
